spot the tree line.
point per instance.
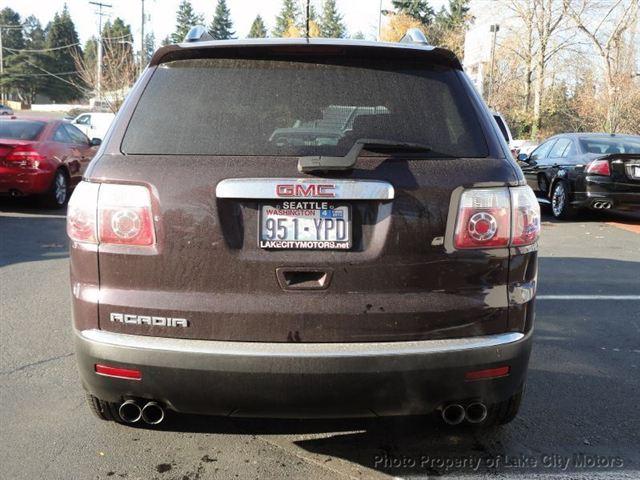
(290, 22)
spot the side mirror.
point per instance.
(94, 142)
(523, 157)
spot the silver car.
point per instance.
(5, 110)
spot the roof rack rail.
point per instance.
(197, 33)
(414, 35)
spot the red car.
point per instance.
(42, 157)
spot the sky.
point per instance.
(359, 15)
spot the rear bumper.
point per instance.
(623, 196)
(302, 380)
(24, 182)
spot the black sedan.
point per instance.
(585, 170)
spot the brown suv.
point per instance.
(303, 228)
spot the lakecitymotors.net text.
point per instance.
(473, 462)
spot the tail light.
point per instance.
(111, 214)
(497, 217)
(24, 156)
(599, 167)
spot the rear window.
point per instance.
(278, 107)
(502, 127)
(611, 145)
(20, 129)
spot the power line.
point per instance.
(38, 50)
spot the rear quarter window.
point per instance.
(281, 108)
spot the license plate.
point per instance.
(305, 225)
(636, 172)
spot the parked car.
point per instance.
(596, 171)
(389, 269)
(94, 124)
(5, 110)
(42, 157)
(506, 133)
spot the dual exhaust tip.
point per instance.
(151, 413)
(602, 205)
(454, 413)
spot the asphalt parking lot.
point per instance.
(580, 417)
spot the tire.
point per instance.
(58, 194)
(106, 411)
(504, 412)
(561, 201)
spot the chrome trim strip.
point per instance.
(266, 188)
(259, 349)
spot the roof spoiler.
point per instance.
(197, 33)
(414, 35)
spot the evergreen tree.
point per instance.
(23, 70)
(12, 33)
(61, 32)
(149, 46)
(221, 26)
(289, 17)
(331, 24)
(90, 53)
(417, 9)
(165, 41)
(358, 35)
(118, 35)
(186, 18)
(258, 28)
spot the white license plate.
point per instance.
(305, 225)
(636, 172)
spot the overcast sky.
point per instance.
(359, 15)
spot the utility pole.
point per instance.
(99, 60)
(307, 22)
(494, 29)
(143, 49)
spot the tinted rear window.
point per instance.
(278, 107)
(611, 145)
(20, 129)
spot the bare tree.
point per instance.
(119, 72)
(610, 26)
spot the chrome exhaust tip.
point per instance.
(152, 413)
(606, 205)
(597, 205)
(476, 412)
(130, 412)
(453, 414)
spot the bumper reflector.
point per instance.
(487, 373)
(116, 372)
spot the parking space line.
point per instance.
(588, 297)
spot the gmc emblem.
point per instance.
(315, 190)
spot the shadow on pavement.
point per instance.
(30, 233)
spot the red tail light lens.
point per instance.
(111, 214)
(484, 219)
(526, 216)
(117, 372)
(24, 156)
(124, 215)
(599, 167)
(497, 217)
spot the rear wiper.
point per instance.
(318, 162)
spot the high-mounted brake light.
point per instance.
(111, 214)
(599, 167)
(497, 217)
